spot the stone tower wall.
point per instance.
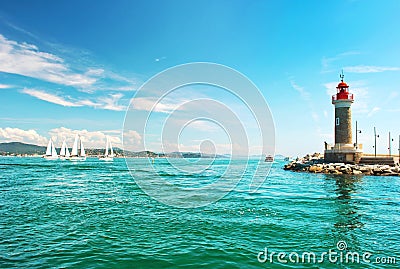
(343, 130)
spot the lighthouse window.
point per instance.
(337, 121)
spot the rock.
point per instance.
(395, 169)
(390, 174)
(315, 169)
(315, 164)
(336, 172)
(287, 167)
(364, 169)
(377, 171)
(331, 168)
(343, 169)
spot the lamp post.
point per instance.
(375, 135)
(390, 145)
(357, 132)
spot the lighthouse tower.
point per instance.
(342, 101)
(344, 150)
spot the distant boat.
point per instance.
(64, 152)
(108, 154)
(51, 153)
(269, 159)
(77, 154)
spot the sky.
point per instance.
(71, 67)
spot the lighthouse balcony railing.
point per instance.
(343, 97)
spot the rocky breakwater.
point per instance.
(315, 164)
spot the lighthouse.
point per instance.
(343, 150)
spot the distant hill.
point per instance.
(21, 148)
(190, 155)
(18, 148)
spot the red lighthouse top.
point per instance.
(342, 91)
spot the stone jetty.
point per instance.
(315, 163)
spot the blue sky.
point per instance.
(73, 66)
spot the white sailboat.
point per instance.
(51, 153)
(64, 152)
(109, 153)
(77, 154)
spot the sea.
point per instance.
(92, 214)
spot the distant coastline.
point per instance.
(18, 149)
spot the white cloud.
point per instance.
(86, 102)
(304, 94)
(94, 139)
(26, 60)
(373, 111)
(315, 116)
(205, 125)
(369, 69)
(95, 72)
(165, 105)
(5, 86)
(109, 102)
(327, 62)
(160, 59)
(132, 140)
(91, 139)
(18, 135)
(392, 98)
(51, 98)
(97, 139)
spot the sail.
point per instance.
(83, 154)
(53, 150)
(106, 153)
(67, 151)
(62, 151)
(48, 150)
(111, 150)
(75, 147)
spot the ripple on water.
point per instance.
(91, 215)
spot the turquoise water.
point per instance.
(93, 215)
